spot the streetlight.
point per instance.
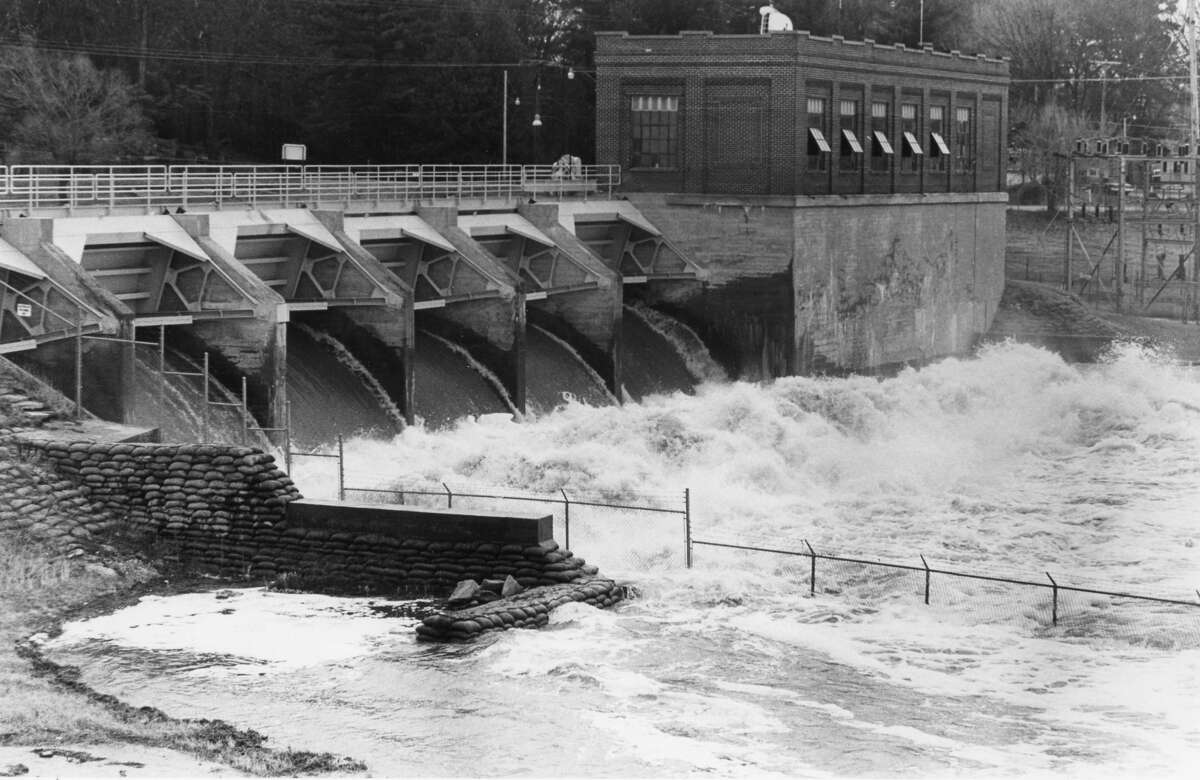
(1103, 87)
(516, 101)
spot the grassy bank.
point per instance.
(43, 704)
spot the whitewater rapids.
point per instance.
(1011, 463)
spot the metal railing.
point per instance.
(926, 571)
(25, 306)
(30, 187)
(237, 404)
(578, 507)
(625, 537)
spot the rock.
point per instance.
(495, 586)
(510, 587)
(99, 570)
(13, 770)
(464, 591)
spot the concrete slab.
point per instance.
(480, 224)
(109, 760)
(89, 430)
(569, 210)
(410, 225)
(12, 259)
(304, 223)
(451, 525)
(71, 234)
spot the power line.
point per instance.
(1096, 79)
(185, 55)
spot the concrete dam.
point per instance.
(461, 290)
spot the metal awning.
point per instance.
(883, 143)
(11, 259)
(819, 138)
(940, 144)
(851, 139)
(913, 146)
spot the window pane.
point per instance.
(818, 146)
(654, 131)
(849, 149)
(910, 150)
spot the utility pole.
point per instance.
(1194, 127)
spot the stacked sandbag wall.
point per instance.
(528, 609)
(210, 501)
(36, 502)
(379, 563)
(222, 509)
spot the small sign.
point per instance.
(294, 152)
(24, 310)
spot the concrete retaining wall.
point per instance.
(835, 284)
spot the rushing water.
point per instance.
(1012, 463)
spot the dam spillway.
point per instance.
(390, 269)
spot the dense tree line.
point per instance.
(423, 80)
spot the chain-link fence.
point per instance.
(1053, 604)
(636, 530)
(647, 531)
(632, 530)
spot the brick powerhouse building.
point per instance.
(846, 197)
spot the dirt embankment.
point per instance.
(1042, 314)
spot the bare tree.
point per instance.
(65, 110)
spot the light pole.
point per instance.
(504, 120)
(1103, 88)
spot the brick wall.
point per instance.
(743, 122)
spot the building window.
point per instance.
(850, 150)
(818, 145)
(654, 130)
(881, 145)
(964, 141)
(938, 150)
(910, 150)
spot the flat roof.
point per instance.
(792, 43)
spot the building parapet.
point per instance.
(623, 48)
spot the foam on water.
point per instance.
(1012, 463)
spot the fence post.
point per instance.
(926, 565)
(1054, 603)
(78, 367)
(245, 414)
(449, 496)
(287, 437)
(566, 519)
(341, 469)
(204, 416)
(812, 577)
(687, 522)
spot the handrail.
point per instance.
(72, 326)
(30, 187)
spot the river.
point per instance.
(1011, 463)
